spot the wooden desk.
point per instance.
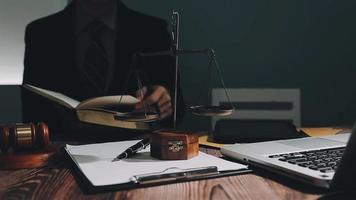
(57, 181)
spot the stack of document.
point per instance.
(95, 161)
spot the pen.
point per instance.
(184, 174)
(133, 149)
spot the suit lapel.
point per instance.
(125, 47)
(66, 46)
(69, 36)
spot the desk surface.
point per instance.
(57, 181)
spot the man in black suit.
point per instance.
(57, 55)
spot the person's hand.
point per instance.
(155, 96)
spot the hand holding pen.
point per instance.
(133, 149)
(157, 96)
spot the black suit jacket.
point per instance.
(50, 57)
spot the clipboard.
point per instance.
(168, 175)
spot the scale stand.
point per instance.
(201, 110)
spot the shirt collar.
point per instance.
(82, 20)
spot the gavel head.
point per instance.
(23, 136)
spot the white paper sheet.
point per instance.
(95, 161)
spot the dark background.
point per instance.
(269, 44)
(272, 44)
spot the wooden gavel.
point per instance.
(23, 136)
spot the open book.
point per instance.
(116, 111)
(94, 162)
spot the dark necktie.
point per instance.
(96, 61)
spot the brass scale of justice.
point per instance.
(200, 110)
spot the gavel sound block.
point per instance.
(24, 146)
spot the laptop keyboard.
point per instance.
(324, 160)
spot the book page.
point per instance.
(108, 102)
(104, 102)
(95, 161)
(54, 96)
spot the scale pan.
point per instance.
(208, 110)
(137, 116)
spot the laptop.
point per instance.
(326, 162)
